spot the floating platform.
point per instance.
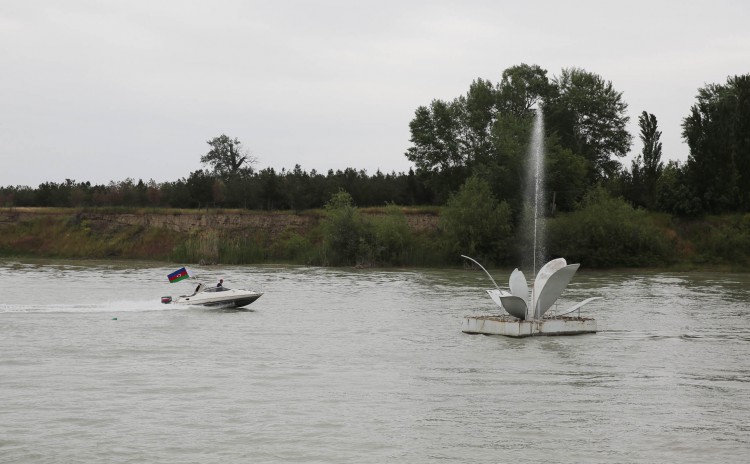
(513, 327)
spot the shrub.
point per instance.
(343, 230)
(294, 248)
(725, 241)
(474, 223)
(608, 232)
(392, 237)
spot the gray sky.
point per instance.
(102, 90)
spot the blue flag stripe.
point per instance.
(179, 273)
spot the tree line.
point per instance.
(266, 189)
(485, 133)
(482, 134)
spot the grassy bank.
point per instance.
(209, 236)
(605, 235)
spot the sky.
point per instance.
(103, 91)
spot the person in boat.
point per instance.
(220, 284)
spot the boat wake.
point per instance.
(131, 306)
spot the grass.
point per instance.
(717, 243)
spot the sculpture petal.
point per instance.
(574, 307)
(495, 294)
(553, 288)
(543, 275)
(518, 285)
(485, 270)
(515, 306)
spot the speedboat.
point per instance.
(215, 297)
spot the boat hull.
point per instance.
(233, 303)
(224, 298)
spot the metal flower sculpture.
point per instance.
(549, 284)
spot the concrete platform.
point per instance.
(512, 327)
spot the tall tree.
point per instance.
(438, 146)
(480, 108)
(480, 133)
(647, 166)
(227, 157)
(718, 134)
(435, 133)
(485, 133)
(590, 117)
(522, 87)
(459, 133)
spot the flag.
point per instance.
(178, 275)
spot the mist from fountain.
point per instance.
(555, 275)
(535, 211)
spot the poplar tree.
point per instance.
(647, 166)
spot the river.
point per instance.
(365, 366)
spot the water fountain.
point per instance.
(527, 312)
(535, 190)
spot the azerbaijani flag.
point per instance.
(178, 275)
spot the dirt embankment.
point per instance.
(272, 223)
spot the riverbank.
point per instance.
(194, 236)
(393, 237)
(274, 223)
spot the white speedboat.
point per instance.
(215, 297)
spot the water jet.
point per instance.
(527, 312)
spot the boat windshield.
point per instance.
(216, 289)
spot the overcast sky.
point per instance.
(104, 90)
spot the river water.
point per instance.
(365, 366)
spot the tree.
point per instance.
(270, 192)
(227, 157)
(565, 177)
(479, 108)
(673, 194)
(505, 172)
(435, 134)
(200, 185)
(439, 148)
(522, 87)
(475, 223)
(717, 133)
(486, 132)
(483, 132)
(344, 230)
(647, 166)
(454, 134)
(589, 116)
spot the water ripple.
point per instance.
(339, 366)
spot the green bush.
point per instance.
(343, 231)
(725, 242)
(608, 232)
(392, 237)
(292, 247)
(474, 223)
